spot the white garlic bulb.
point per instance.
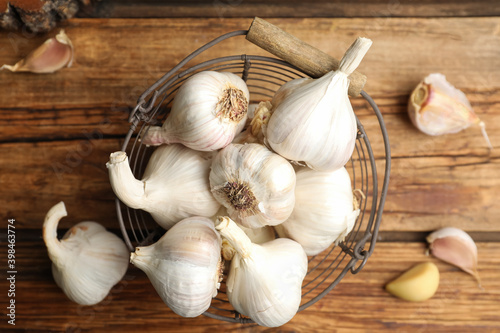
(174, 185)
(88, 261)
(315, 122)
(209, 109)
(325, 210)
(254, 184)
(184, 266)
(264, 281)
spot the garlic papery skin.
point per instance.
(209, 109)
(264, 281)
(315, 123)
(55, 53)
(184, 265)
(456, 247)
(254, 184)
(88, 261)
(325, 210)
(436, 108)
(174, 185)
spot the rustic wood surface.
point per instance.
(56, 133)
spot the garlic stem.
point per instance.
(235, 235)
(54, 246)
(353, 56)
(123, 181)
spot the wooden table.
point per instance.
(56, 133)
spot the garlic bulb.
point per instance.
(456, 247)
(209, 109)
(254, 184)
(88, 261)
(184, 266)
(436, 108)
(315, 122)
(174, 185)
(264, 281)
(54, 54)
(325, 210)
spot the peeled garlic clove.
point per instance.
(88, 261)
(456, 247)
(264, 281)
(184, 266)
(417, 284)
(254, 184)
(54, 54)
(314, 121)
(325, 209)
(209, 109)
(174, 185)
(437, 108)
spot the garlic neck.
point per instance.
(54, 246)
(235, 236)
(128, 189)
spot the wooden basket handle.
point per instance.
(312, 61)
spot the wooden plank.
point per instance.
(280, 8)
(117, 59)
(358, 302)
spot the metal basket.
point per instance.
(264, 75)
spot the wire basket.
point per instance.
(263, 75)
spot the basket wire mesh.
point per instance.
(263, 75)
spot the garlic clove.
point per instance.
(184, 265)
(456, 247)
(54, 54)
(436, 108)
(88, 261)
(417, 284)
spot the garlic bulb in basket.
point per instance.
(264, 281)
(325, 210)
(254, 184)
(314, 122)
(209, 109)
(174, 185)
(88, 261)
(184, 265)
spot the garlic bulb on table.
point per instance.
(254, 184)
(174, 185)
(88, 261)
(184, 265)
(325, 210)
(314, 122)
(436, 108)
(209, 109)
(264, 281)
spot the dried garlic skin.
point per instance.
(417, 284)
(436, 108)
(455, 247)
(54, 54)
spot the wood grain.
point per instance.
(62, 127)
(223, 9)
(358, 302)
